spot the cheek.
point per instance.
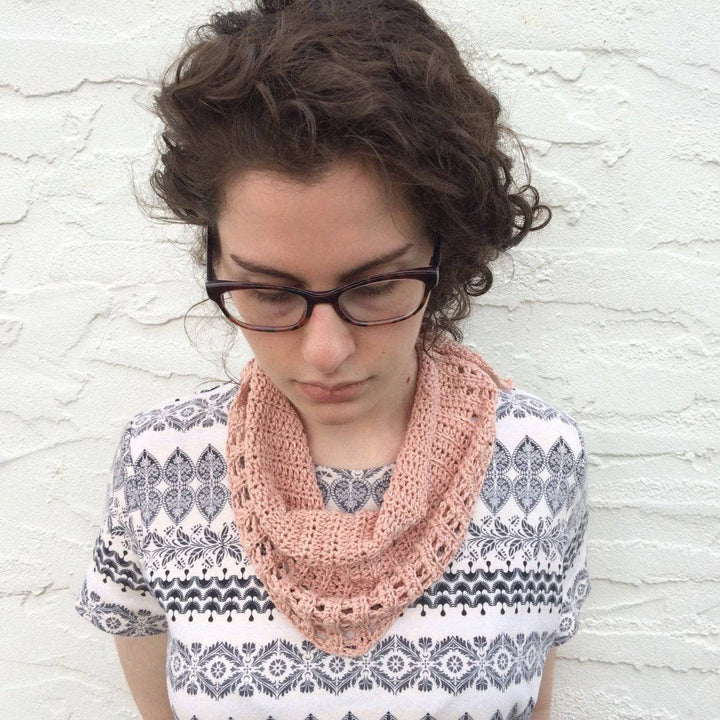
(396, 343)
(270, 349)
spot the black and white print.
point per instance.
(168, 559)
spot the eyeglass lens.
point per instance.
(379, 301)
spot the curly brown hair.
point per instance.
(292, 86)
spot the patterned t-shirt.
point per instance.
(168, 560)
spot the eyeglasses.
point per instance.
(377, 300)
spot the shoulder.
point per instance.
(526, 420)
(166, 446)
(541, 447)
(192, 413)
(521, 408)
(523, 418)
(517, 410)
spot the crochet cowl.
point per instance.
(343, 578)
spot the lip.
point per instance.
(332, 393)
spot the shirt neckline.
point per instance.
(374, 469)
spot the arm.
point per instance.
(542, 708)
(143, 662)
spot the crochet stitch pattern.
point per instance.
(343, 578)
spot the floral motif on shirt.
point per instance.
(353, 490)
(395, 664)
(517, 536)
(204, 409)
(519, 404)
(116, 618)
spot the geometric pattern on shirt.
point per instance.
(514, 714)
(395, 664)
(142, 490)
(526, 474)
(233, 593)
(116, 567)
(526, 463)
(182, 550)
(546, 541)
(509, 589)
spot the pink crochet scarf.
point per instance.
(343, 578)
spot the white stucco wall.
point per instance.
(611, 313)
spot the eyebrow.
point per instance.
(375, 262)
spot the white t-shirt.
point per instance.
(168, 560)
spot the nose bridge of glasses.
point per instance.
(347, 313)
(325, 297)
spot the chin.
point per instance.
(334, 412)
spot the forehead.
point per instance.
(347, 183)
(342, 218)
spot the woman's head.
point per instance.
(294, 88)
(339, 230)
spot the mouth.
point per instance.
(332, 393)
(332, 388)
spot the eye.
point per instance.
(275, 297)
(376, 289)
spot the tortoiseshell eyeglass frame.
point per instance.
(430, 275)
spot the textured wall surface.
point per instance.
(610, 313)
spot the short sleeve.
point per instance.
(115, 596)
(576, 581)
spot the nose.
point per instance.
(327, 339)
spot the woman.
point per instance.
(369, 522)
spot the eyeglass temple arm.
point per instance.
(208, 253)
(436, 253)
